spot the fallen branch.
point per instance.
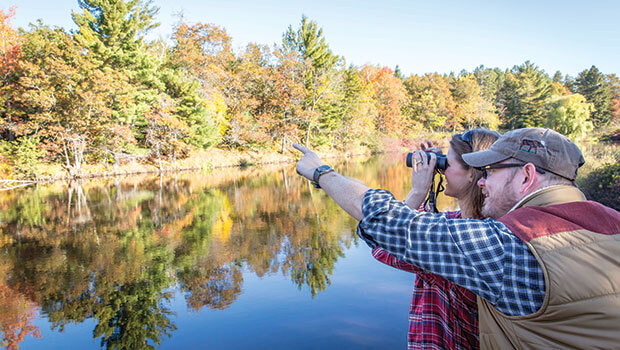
(6, 185)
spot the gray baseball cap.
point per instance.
(545, 148)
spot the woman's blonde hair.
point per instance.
(475, 140)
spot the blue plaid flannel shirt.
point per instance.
(483, 256)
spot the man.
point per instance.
(546, 267)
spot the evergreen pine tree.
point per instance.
(113, 31)
(398, 74)
(591, 83)
(521, 100)
(321, 76)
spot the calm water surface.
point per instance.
(235, 258)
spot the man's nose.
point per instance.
(482, 182)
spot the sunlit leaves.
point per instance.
(570, 115)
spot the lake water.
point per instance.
(231, 259)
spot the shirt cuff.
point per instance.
(374, 203)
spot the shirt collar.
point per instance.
(557, 194)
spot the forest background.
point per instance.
(102, 99)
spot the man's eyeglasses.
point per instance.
(485, 174)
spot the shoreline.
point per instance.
(216, 159)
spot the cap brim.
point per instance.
(483, 158)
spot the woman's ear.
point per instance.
(470, 175)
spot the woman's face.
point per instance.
(457, 177)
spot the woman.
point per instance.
(444, 315)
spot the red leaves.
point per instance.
(9, 42)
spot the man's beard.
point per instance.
(497, 207)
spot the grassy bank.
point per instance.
(30, 166)
(198, 160)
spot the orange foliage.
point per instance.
(390, 94)
(9, 42)
(16, 316)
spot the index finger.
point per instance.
(300, 148)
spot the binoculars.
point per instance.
(441, 164)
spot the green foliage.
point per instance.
(603, 185)
(114, 30)
(490, 81)
(430, 101)
(24, 154)
(521, 99)
(192, 107)
(103, 91)
(308, 41)
(472, 109)
(591, 83)
(570, 115)
(321, 78)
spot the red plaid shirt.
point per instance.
(442, 315)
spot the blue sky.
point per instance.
(419, 36)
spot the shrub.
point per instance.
(24, 155)
(603, 185)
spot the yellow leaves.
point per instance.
(217, 108)
(5, 239)
(223, 224)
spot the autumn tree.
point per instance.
(614, 83)
(113, 33)
(164, 133)
(9, 56)
(472, 109)
(430, 101)
(389, 95)
(63, 98)
(202, 52)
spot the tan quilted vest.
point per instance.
(577, 244)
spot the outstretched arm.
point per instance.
(347, 193)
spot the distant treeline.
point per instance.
(103, 93)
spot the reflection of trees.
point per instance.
(131, 315)
(318, 263)
(111, 267)
(16, 315)
(77, 212)
(110, 251)
(216, 287)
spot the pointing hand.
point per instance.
(308, 162)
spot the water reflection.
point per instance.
(113, 250)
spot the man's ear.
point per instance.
(529, 179)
